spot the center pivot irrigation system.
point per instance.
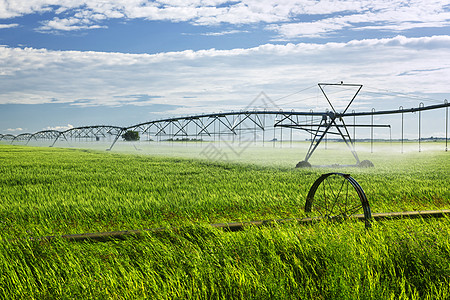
(233, 124)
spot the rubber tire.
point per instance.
(366, 164)
(303, 164)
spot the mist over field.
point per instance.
(281, 154)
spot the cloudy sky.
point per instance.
(121, 62)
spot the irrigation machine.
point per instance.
(333, 195)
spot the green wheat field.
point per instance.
(56, 191)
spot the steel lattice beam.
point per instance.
(233, 123)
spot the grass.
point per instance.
(401, 259)
(50, 191)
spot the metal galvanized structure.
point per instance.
(338, 197)
(90, 133)
(7, 137)
(235, 124)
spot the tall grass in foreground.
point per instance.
(47, 191)
(59, 191)
(398, 259)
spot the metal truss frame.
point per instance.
(234, 123)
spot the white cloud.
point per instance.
(4, 26)
(59, 128)
(399, 16)
(220, 33)
(308, 29)
(14, 129)
(288, 18)
(214, 80)
(68, 24)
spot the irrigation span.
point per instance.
(236, 124)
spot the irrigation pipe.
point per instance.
(238, 226)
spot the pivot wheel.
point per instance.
(337, 196)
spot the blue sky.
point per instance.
(80, 62)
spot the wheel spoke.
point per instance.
(337, 197)
(318, 210)
(355, 209)
(326, 209)
(346, 202)
(331, 188)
